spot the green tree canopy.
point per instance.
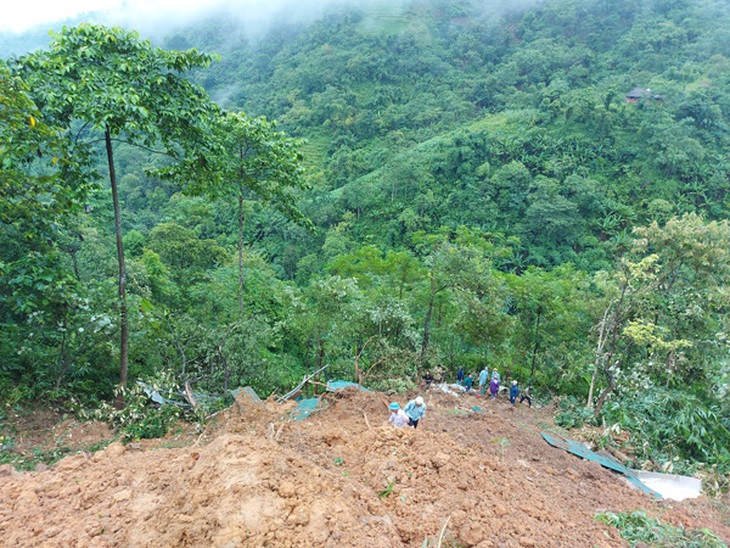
(97, 79)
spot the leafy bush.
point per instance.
(140, 417)
(397, 385)
(714, 482)
(155, 423)
(673, 426)
(636, 527)
(396, 370)
(29, 461)
(573, 414)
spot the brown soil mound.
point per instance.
(342, 477)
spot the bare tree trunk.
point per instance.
(183, 357)
(599, 355)
(124, 319)
(222, 357)
(537, 343)
(671, 361)
(320, 350)
(610, 326)
(240, 254)
(589, 402)
(358, 371)
(427, 322)
(62, 357)
(606, 391)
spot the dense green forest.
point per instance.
(542, 189)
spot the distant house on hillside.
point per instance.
(638, 93)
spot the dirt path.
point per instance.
(342, 477)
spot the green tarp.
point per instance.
(305, 408)
(337, 385)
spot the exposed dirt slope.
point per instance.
(342, 477)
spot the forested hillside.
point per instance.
(543, 189)
(442, 115)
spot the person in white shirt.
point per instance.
(397, 416)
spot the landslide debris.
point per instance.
(341, 477)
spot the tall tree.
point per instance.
(459, 262)
(257, 161)
(99, 81)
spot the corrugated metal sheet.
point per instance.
(604, 460)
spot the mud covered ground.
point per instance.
(342, 477)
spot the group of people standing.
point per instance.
(429, 379)
(491, 382)
(415, 410)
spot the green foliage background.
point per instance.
(474, 176)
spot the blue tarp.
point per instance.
(607, 462)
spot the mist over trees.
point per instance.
(543, 188)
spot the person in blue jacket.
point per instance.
(514, 391)
(460, 375)
(415, 410)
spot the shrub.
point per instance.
(673, 426)
(140, 417)
(573, 414)
(636, 527)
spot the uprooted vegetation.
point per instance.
(468, 476)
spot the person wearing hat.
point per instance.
(397, 416)
(416, 410)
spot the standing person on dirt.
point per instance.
(440, 375)
(514, 391)
(494, 386)
(460, 376)
(483, 376)
(495, 373)
(415, 410)
(428, 379)
(468, 382)
(526, 396)
(398, 418)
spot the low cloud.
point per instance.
(155, 18)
